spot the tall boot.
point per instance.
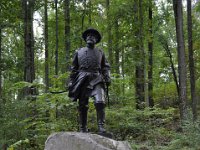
(83, 119)
(100, 110)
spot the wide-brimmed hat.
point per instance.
(94, 31)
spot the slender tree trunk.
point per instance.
(177, 4)
(90, 13)
(150, 47)
(83, 19)
(46, 36)
(173, 71)
(67, 32)
(56, 51)
(116, 47)
(137, 58)
(142, 69)
(123, 71)
(0, 62)
(4, 145)
(191, 60)
(117, 54)
(168, 52)
(109, 28)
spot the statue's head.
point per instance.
(91, 36)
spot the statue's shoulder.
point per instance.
(99, 50)
(81, 49)
(77, 51)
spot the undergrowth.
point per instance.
(153, 129)
(149, 129)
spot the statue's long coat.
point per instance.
(89, 68)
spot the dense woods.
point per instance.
(152, 46)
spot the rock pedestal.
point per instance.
(83, 141)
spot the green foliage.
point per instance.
(55, 113)
(132, 121)
(12, 127)
(44, 113)
(120, 90)
(166, 95)
(59, 82)
(151, 126)
(188, 138)
(19, 144)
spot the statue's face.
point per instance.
(91, 39)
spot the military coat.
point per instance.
(89, 68)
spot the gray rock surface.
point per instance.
(83, 141)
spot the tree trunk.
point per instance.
(46, 36)
(29, 69)
(56, 51)
(0, 61)
(191, 60)
(150, 68)
(1, 92)
(168, 52)
(83, 18)
(67, 32)
(90, 13)
(123, 71)
(139, 73)
(116, 47)
(116, 50)
(177, 4)
(110, 53)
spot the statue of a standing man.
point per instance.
(90, 73)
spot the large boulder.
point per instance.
(83, 141)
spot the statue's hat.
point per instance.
(94, 31)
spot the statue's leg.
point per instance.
(83, 111)
(100, 107)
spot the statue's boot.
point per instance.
(83, 119)
(100, 109)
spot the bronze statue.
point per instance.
(90, 73)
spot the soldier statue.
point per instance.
(90, 74)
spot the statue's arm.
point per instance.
(105, 69)
(74, 68)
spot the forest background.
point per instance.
(152, 46)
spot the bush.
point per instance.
(127, 123)
(188, 139)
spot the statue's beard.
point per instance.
(90, 42)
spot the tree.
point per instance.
(46, 46)
(0, 61)
(90, 13)
(109, 32)
(165, 45)
(29, 69)
(150, 47)
(67, 31)
(191, 60)
(139, 48)
(56, 50)
(83, 17)
(177, 5)
(116, 47)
